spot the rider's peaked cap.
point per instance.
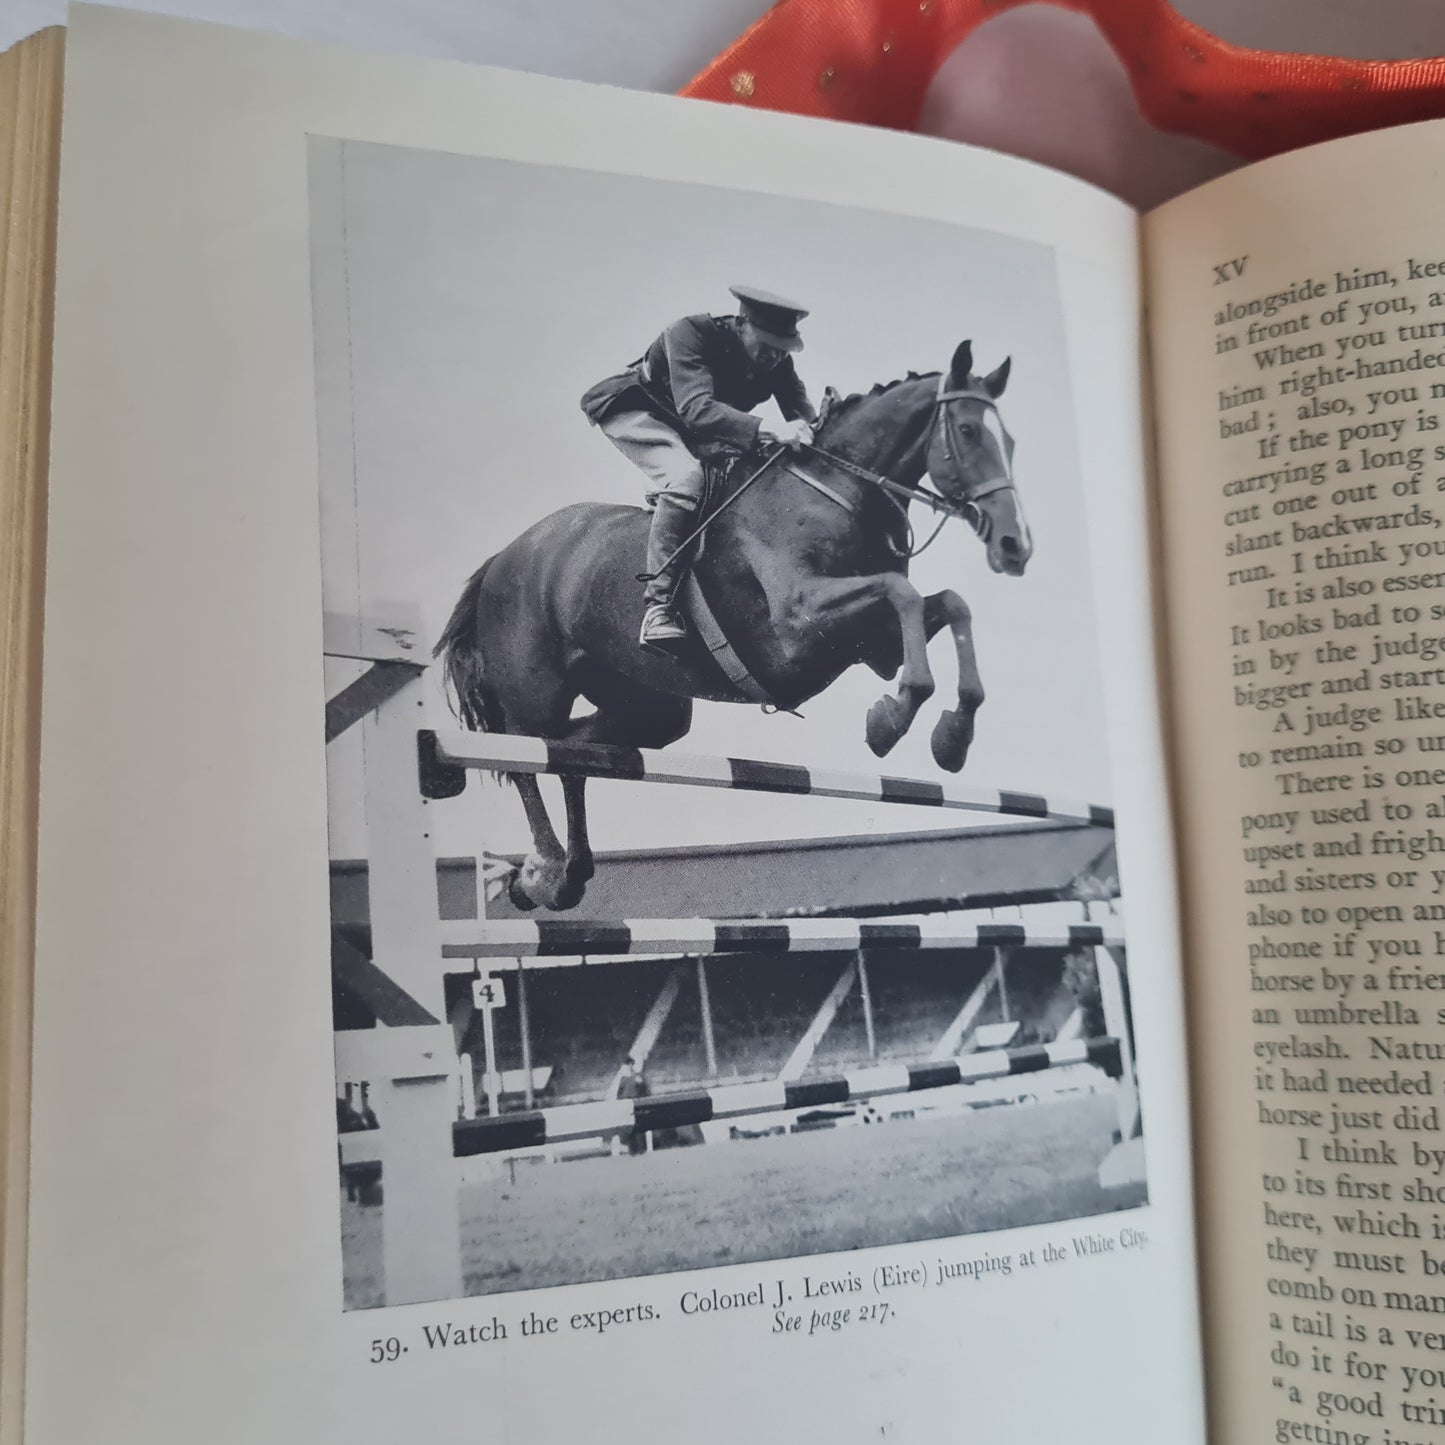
(775, 318)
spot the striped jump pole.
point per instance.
(567, 1123)
(702, 937)
(446, 755)
(565, 942)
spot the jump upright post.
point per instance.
(411, 1057)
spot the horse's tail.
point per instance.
(463, 665)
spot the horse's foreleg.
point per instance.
(542, 876)
(953, 733)
(834, 602)
(890, 717)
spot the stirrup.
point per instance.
(661, 627)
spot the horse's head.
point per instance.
(970, 460)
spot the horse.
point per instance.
(804, 562)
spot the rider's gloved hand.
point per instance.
(789, 433)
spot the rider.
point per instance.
(687, 401)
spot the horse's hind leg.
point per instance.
(578, 866)
(552, 875)
(633, 716)
(536, 700)
(542, 878)
(953, 733)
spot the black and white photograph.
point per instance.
(722, 849)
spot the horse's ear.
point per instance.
(995, 381)
(961, 365)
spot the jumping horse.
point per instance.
(804, 563)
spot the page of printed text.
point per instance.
(1298, 321)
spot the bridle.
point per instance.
(943, 423)
(940, 423)
(900, 494)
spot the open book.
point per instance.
(780, 1029)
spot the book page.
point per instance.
(832, 1031)
(1298, 320)
(30, 84)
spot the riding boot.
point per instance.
(672, 523)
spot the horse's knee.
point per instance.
(947, 609)
(916, 691)
(903, 597)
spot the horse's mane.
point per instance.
(838, 408)
(844, 404)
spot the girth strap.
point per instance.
(710, 633)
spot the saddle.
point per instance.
(691, 601)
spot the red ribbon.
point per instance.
(870, 61)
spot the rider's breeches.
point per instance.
(656, 450)
(675, 494)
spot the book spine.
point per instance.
(30, 96)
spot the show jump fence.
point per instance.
(413, 1065)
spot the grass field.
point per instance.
(769, 1198)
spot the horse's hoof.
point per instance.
(516, 897)
(569, 895)
(575, 878)
(884, 726)
(952, 734)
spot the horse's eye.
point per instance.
(970, 431)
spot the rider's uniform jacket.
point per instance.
(698, 378)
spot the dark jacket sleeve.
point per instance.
(693, 391)
(791, 395)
